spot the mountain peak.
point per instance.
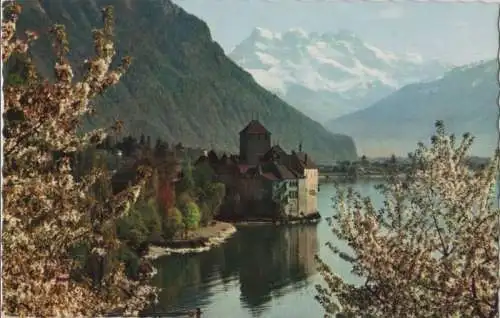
(314, 71)
(259, 32)
(299, 32)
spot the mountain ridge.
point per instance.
(326, 75)
(181, 86)
(464, 98)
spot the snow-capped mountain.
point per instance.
(328, 75)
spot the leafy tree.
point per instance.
(132, 229)
(203, 175)
(150, 216)
(173, 223)
(46, 209)
(191, 216)
(430, 251)
(166, 197)
(216, 193)
(206, 213)
(182, 200)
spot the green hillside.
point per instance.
(181, 86)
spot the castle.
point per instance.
(264, 180)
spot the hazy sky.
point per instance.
(456, 33)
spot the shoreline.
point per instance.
(216, 234)
(204, 239)
(311, 219)
(276, 223)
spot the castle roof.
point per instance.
(282, 172)
(305, 160)
(273, 171)
(254, 127)
(276, 152)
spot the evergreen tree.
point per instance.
(187, 183)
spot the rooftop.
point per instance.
(273, 171)
(254, 127)
(305, 160)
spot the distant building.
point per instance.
(264, 177)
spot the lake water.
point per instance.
(262, 271)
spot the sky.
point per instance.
(456, 33)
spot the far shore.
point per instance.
(345, 176)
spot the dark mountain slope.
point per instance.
(181, 86)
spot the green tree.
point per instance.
(430, 251)
(216, 194)
(191, 216)
(206, 213)
(151, 217)
(187, 183)
(132, 230)
(203, 175)
(172, 223)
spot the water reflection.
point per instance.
(273, 258)
(259, 263)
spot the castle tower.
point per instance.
(255, 141)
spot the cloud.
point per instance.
(391, 13)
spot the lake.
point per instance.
(262, 271)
